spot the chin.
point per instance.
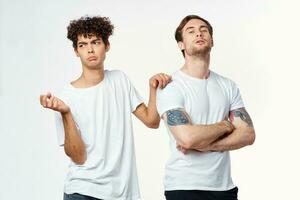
(201, 50)
(94, 66)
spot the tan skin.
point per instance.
(231, 134)
(92, 52)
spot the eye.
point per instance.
(192, 31)
(204, 30)
(81, 45)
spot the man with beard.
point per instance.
(205, 117)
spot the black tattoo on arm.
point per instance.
(177, 117)
(242, 114)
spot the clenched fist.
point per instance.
(54, 103)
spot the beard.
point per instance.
(196, 51)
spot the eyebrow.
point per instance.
(192, 27)
(91, 41)
(82, 42)
(98, 39)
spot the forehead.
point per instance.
(194, 23)
(81, 38)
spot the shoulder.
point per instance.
(172, 90)
(117, 75)
(229, 83)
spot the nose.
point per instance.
(199, 33)
(90, 49)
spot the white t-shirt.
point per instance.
(102, 114)
(207, 101)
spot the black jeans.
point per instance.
(77, 196)
(202, 195)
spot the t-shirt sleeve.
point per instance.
(169, 98)
(135, 98)
(59, 129)
(59, 122)
(236, 98)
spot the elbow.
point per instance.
(251, 137)
(153, 124)
(187, 142)
(79, 161)
(78, 158)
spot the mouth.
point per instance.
(92, 58)
(200, 42)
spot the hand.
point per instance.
(159, 80)
(205, 150)
(54, 103)
(228, 126)
(182, 149)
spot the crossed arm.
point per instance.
(221, 136)
(242, 135)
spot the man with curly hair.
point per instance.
(94, 118)
(205, 117)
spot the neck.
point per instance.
(197, 66)
(89, 77)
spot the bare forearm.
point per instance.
(152, 114)
(152, 110)
(200, 136)
(243, 134)
(193, 136)
(236, 140)
(148, 114)
(74, 146)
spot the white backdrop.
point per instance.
(256, 45)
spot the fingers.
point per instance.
(160, 80)
(48, 94)
(50, 101)
(43, 99)
(183, 150)
(55, 103)
(180, 148)
(165, 79)
(47, 100)
(229, 126)
(153, 83)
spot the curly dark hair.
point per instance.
(99, 26)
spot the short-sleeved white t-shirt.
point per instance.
(207, 101)
(102, 114)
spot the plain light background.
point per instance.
(256, 45)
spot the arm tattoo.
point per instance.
(176, 117)
(243, 115)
